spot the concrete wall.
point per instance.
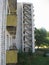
(2, 31)
(8, 40)
(19, 26)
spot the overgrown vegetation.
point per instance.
(32, 59)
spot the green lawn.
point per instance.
(32, 59)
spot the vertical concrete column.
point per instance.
(1, 10)
(2, 31)
(22, 30)
(33, 39)
(19, 27)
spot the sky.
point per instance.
(41, 12)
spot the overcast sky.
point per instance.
(41, 11)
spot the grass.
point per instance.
(32, 59)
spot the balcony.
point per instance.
(11, 20)
(12, 5)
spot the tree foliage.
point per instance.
(40, 36)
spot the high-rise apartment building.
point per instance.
(16, 27)
(25, 27)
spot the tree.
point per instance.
(47, 34)
(40, 36)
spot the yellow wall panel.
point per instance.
(11, 56)
(11, 20)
